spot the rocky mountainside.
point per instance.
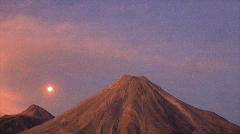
(32, 116)
(134, 105)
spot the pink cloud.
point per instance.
(22, 34)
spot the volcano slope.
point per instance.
(32, 116)
(134, 105)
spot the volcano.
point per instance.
(134, 105)
(32, 116)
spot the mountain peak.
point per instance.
(127, 77)
(32, 116)
(127, 80)
(37, 112)
(33, 106)
(133, 105)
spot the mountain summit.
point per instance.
(37, 112)
(134, 105)
(32, 116)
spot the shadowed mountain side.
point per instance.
(134, 105)
(32, 116)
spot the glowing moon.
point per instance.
(50, 89)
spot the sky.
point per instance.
(190, 48)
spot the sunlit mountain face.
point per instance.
(134, 105)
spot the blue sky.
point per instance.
(191, 49)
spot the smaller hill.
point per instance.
(32, 116)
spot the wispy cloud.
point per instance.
(23, 39)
